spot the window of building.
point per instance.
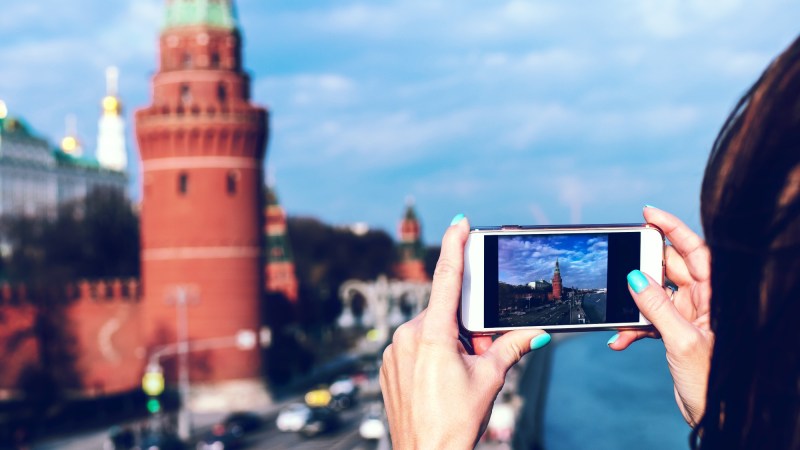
(186, 94)
(231, 182)
(183, 183)
(187, 60)
(215, 59)
(222, 93)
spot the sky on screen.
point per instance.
(582, 259)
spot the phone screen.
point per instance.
(559, 279)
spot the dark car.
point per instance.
(160, 441)
(120, 438)
(242, 422)
(220, 438)
(321, 420)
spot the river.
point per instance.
(601, 399)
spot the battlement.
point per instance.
(104, 290)
(108, 290)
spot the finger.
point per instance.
(480, 344)
(625, 338)
(676, 267)
(656, 306)
(509, 348)
(440, 318)
(686, 242)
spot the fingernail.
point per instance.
(637, 281)
(540, 341)
(650, 206)
(613, 339)
(456, 219)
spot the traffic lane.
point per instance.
(345, 437)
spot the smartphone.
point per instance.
(563, 278)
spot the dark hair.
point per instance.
(751, 217)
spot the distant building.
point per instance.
(111, 148)
(557, 282)
(540, 285)
(36, 177)
(279, 269)
(411, 252)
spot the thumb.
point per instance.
(657, 307)
(509, 348)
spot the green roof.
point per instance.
(212, 13)
(78, 161)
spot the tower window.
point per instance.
(215, 59)
(231, 182)
(222, 93)
(183, 183)
(187, 60)
(186, 94)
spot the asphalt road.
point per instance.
(345, 438)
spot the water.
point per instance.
(601, 399)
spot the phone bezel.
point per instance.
(471, 313)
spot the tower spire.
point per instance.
(70, 144)
(111, 152)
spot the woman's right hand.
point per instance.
(683, 321)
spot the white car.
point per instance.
(344, 386)
(372, 427)
(293, 417)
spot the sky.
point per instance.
(511, 112)
(582, 259)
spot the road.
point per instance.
(345, 438)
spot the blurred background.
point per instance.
(213, 214)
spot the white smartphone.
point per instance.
(563, 278)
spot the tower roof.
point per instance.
(212, 13)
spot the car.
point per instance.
(119, 438)
(219, 438)
(293, 417)
(242, 422)
(160, 441)
(372, 426)
(321, 420)
(344, 394)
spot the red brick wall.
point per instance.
(107, 324)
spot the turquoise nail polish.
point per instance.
(613, 339)
(456, 219)
(650, 206)
(540, 341)
(637, 281)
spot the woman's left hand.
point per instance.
(436, 394)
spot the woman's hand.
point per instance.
(436, 394)
(681, 319)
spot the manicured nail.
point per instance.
(540, 341)
(650, 206)
(637, 281)
(613, 339)
(456, 219)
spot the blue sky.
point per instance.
(582, 259)
(512, 112)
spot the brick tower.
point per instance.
(280, 273)
(202, 146)
(411, 257)
(557, 282)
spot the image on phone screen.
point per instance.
(559, 279)
(533, 288)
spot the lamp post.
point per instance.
(181, 301)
